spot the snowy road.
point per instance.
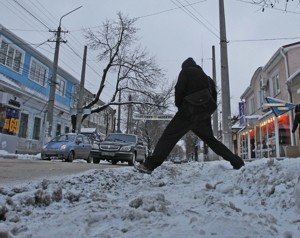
(18, 170)
(194, 200)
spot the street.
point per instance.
(14, 171)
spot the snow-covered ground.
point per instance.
(194, 199)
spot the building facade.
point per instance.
(25, 76)
(263, 134)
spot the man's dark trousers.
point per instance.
(176, 129)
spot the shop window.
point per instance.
(284, 130)
(9, 120)
(266, 141)
(36, 128)
(244, 145)
(23, 125)
(10, 56)
(38, 72)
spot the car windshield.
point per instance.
(64, 138)
(121, 137)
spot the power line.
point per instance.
(188, 12)
(68, 55)
(169, 10)
(18, 13)
(266, 39)
(31, 14)
(44, 11)
(191, 5)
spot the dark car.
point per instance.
(68, 147)
(119, 147)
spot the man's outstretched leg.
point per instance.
(171, 135)
(204, 131)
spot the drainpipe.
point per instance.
(287, 73)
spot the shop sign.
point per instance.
(278, 106)
(152, 117)
(11, 125)
(242, 113)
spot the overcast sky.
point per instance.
(167, 31)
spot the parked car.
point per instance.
(119, 147)
(68, 147)
(176, 160)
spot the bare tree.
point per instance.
(127, 66)
(152, 130)
(272, 3)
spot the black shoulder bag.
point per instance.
(202, 102)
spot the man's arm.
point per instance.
(296, 122)
(213, 88)
(180, 89)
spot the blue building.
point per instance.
(25, 76)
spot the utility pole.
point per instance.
(119, 115)
(226, 109)
(54, 74)
(53, 81)
(215, 115)
(129, 115)
(81, 91)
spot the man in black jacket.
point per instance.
(191, 79)
(297, 118)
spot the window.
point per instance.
(251, 106)
(58, 129)
(60, 86)
(23, 125)
(10, 56)
(260, 98)
(38, 72)
(275, 84)
(86, 140)
(67, 129)
(79, 139)
(267, 89)
(36, 128)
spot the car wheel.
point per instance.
(96, 160)
(114, 162)
(133, 160)
(89, 159)
(44, 157)
(70, 157)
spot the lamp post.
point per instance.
(53, 78)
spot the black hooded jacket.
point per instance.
(296, 122)
(297, 118)
(191, 79)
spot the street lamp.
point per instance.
(53, 78)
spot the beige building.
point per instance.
(264, 134)
(104, 121)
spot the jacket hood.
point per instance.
(189, 62)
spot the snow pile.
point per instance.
(6, 155)
(193, 199)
